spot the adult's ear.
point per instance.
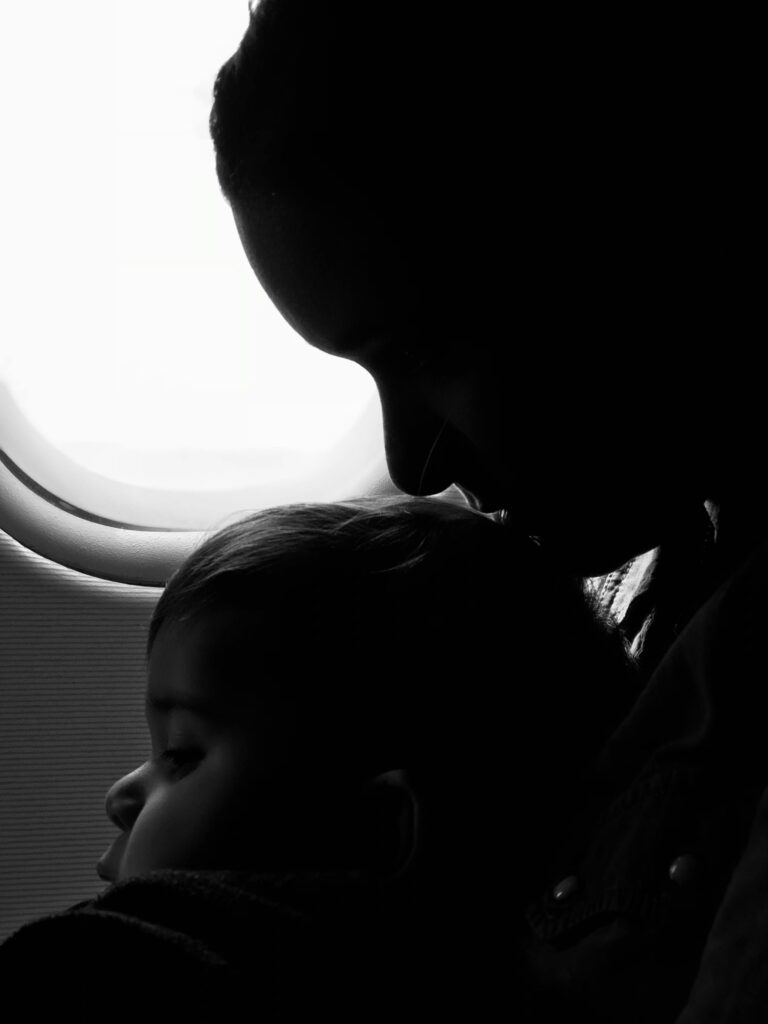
(392, 822)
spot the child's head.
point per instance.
(317, 673)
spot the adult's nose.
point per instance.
(419, 441)
(126, 797)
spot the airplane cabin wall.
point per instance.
(71, 722)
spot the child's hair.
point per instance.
(361, 604)
(342, 560)
(412, 628)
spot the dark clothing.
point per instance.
(294, 947)
(650, 856)
(187, 940)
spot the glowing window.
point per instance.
(138, 351)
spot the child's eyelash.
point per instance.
(180, 757)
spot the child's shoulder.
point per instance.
(201, 935)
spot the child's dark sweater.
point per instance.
(293, 947)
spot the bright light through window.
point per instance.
(133, 335)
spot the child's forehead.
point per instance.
(207, 660)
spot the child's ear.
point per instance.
(392, 816)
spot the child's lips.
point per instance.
(103, 871)
(109, 862)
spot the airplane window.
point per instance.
(144, 374)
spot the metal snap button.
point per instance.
(684, 869)
(565, 889)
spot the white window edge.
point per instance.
(121, 552)
(110, 551)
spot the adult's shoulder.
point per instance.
(743, 595)
(645, 864)
(722, 647)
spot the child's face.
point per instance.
(213, 794)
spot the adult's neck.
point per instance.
(741, 524)
(735, 482)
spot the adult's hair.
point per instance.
(337, 86)
(614, 157)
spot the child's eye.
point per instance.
(181, 759)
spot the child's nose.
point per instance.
(126, 798)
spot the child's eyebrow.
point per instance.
(199, 705)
